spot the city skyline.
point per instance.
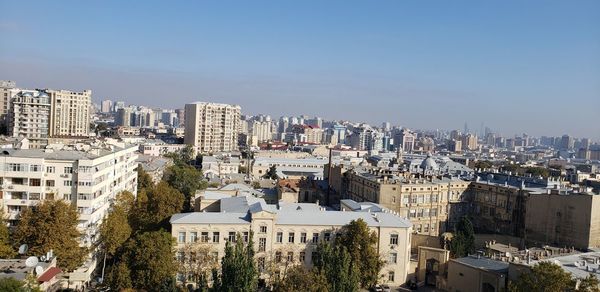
(514, 66)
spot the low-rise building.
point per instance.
(289, 233)
(220, 165)
(290, 168)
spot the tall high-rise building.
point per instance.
(28, 117)
(106, 106)
(7, 90)
(567, 142)
(70, 113)
(212, 127)
(180, 117)
(123, 117)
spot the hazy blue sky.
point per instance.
(518, 66)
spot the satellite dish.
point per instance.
(23, 249)
(39, 270)
(31, 262)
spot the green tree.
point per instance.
(299, 278)
(119, 277)
(156, 205)
(544, 276)
(589, 284)
(144, 179)
(10, 284)
(115, 230)
(334, 263)
(182, 157)
(151, 259)
(463, 239)
(52, 226)
(187, 180)
(6, 250)
(238, 271)
(271, 173)
(483, 164)
(361, 244)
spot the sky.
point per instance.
(515, 66)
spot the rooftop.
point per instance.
(483, 263)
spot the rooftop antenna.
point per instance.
(31, 262)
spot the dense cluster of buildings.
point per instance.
(296, 181)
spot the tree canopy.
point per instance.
(238, 270)
(463, 240)
(335, 264)
(52, 226)
(144, 179)
(154, 207)
(361, 244)
(6, 250)
(151, 259)
(271, 173)
(115, 229)
(544, 276)
(187, 180)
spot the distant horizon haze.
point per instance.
(519, 67)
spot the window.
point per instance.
(313, 256)
(405, 200)
(204, 237)
(181, 238)
(261, 264)
(50, 169)
(327, 236)
(434, 198)
(315, 238)
(68, 169)
(433, 212)
(433, 227)
(231, 236)
(394, 239)
(412, 213)
(35, 182)
(50, 183)
(303, 237)
(35, 168)
(291, 237)
(278, 257)
(302, 257)
(418, 227)
(393, 258)
(34, 196)
(290, 256)
(193, 236)
(216, 236)
(426, 228)
(245, 235)
(279, 237)
(263, 229)
(391, 276)
(68, 183)
(262, 244)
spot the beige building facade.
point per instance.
(288, 234)
(424, 201)
(212, 127)
(70, 113)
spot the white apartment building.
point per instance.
(159, 147)
(28, 117)
(70, 114)
(88, 177)
(288, 234)
(212, 127)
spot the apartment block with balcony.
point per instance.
(28, 117)
(212, 127)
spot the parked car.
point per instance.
(377, 288)
(385, 288)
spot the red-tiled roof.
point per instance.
(49, 274)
